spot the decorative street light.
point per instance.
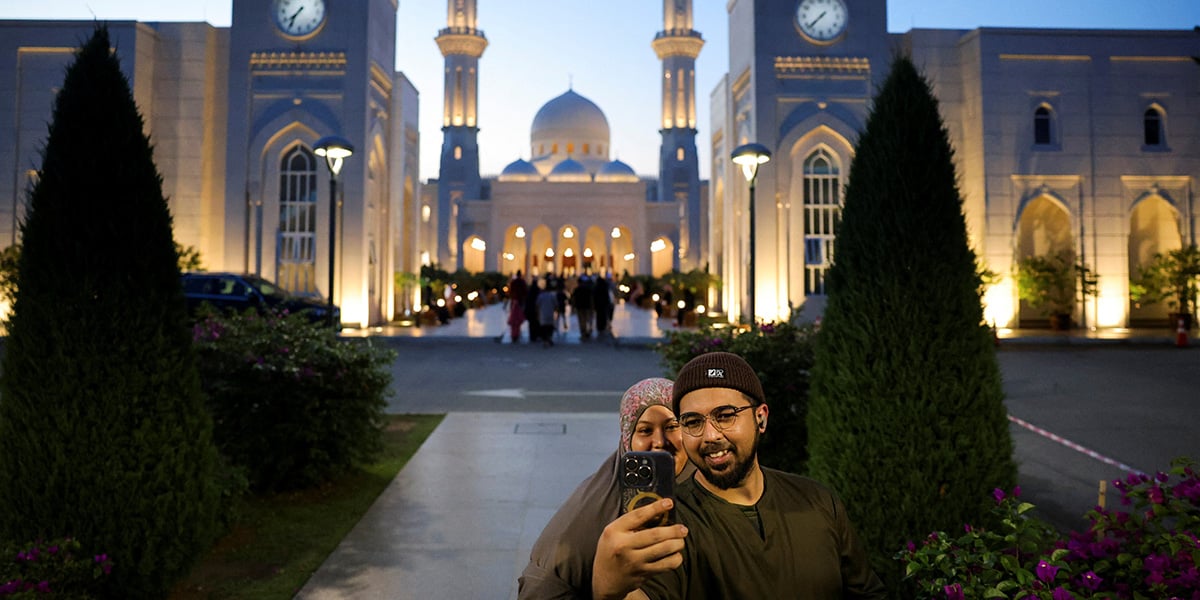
(335, 149)
(750, 156)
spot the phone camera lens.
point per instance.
(645, 473)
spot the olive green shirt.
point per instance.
(806, 549)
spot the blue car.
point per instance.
(231, 292)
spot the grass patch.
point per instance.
(278, 540)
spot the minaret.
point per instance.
(677, 46)
(461, 44)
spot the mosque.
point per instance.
(1082, 140)
(570, 209)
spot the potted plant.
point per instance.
(1173, 277)
(1048, 283)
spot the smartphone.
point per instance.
(645, 478)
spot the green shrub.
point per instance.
(782, 354)
(291, 403)
(103, 431)
(1149, 551)
(54, 569)
(907, 420)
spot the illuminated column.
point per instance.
(677, 46)
(462, 44)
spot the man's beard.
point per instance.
(737, 471)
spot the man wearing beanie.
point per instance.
(745, 531)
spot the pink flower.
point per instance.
(998, 494)
(1061, 594)
(1046, 571)
(954, 592)
(1156, 494)
(1090, 580)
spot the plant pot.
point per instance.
(1060, 322)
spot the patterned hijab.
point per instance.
(639, 397)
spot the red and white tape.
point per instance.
(1072, 445)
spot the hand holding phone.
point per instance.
(645, 478)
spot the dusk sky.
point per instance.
(538, 48)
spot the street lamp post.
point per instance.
(335, 149)
(750, 156)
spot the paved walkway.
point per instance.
(459, 520)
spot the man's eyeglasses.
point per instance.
(722, 417)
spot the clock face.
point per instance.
(822, 21)
(298, 18)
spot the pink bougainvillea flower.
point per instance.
(1090, 580)
(954, 592)
(1046, 571)
(998, 494)
(1060, 594)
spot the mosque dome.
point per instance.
(570, 116)
(520, 170)
(569, 170)
(569, 127)
(616, 171)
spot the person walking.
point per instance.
(583, 305)
(531, 311)
(517, 290)
(547, 304)
(602, 303)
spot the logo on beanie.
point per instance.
(716, 373)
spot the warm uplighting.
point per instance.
(998, 306)
(587, 252)
(568, 233)
(549, 252)
(568, 253)
(509, 256)
(628, 256)
(520, 234)
(658, 245)
(616, 233)
(478, 244)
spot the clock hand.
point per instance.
(292, 20)
(814, 21)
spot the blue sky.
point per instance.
(537, 48)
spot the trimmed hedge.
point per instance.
(103, 432)
(292, 404)
(907, 420)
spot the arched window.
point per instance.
(1152, 126)
(297, 252)
(822, 210)
(1043, 126)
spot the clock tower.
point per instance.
(801, 77)
(300, 70)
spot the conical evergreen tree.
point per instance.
(103, 432)
(906, 417)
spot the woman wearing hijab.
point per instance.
(560, 564)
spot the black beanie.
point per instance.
(717, 370)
